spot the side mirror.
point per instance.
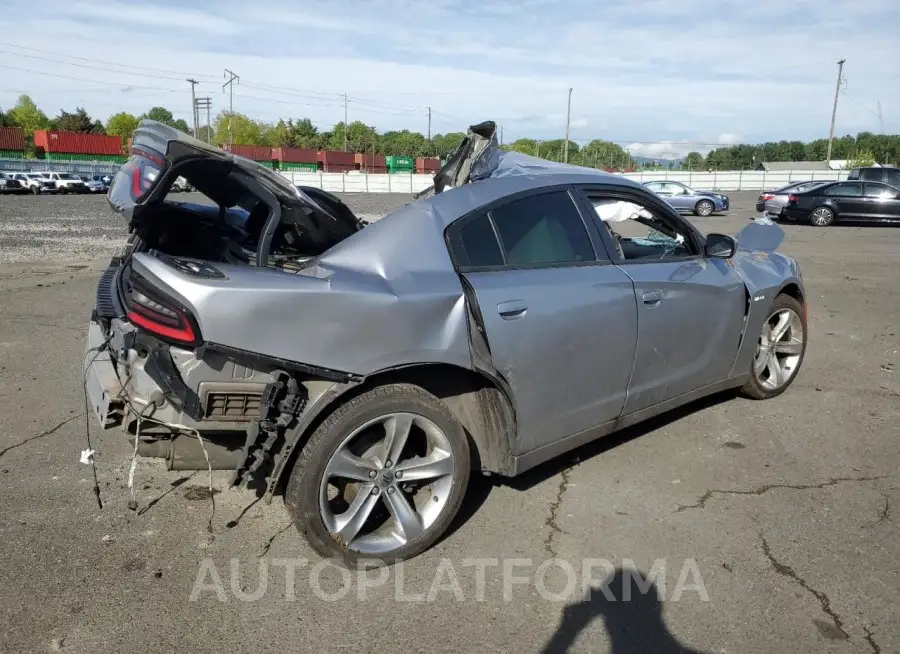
(720, 246)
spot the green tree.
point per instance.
(27, 116)
(244, 130)
(79, 121)
(163, 115)
(861, 159)
(693, 161)
(122, 124)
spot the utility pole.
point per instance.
(232, 78)
(880, 119)
(568, 117)
(345, 123)
(199, 104)
(837, 92)
(193, 84)
(501, 134)
(429, 124)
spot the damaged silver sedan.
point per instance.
(515, 310)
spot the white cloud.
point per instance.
(651, 74)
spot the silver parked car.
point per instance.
(772, 203)
(688, 200)
(515, 310)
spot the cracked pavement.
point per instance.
(785, 506)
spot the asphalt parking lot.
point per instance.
(772, 525)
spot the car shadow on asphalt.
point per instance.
(632, 615)
(480, 487)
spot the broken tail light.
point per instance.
(792, 198)
(161, 316)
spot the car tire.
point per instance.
(821, 217)
(345, 428)
(704, 208)
(760, 387)
(35, 190)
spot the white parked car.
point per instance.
(68, 182)
(37, 183)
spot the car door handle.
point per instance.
(652, 297)
(512, 309)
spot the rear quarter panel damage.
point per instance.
(387, 296)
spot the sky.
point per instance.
(659, 77)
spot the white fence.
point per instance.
(732, 180)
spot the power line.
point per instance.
(89, 81)
(101, 61)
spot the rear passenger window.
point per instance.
(892, 177)
(847, 189)
(479, 244)
(543, 229)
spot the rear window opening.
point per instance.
(244, 216)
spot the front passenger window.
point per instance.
(639, 234)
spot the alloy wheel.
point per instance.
(821, 217)
(704, 208)
(780, 349)
(387, 483)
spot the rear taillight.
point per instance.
(161, 316)
(792, 198)
(766, 196)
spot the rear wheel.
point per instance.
(35, 190)
(780, 350)
(382, 478)
(821, 217)
(704, 208)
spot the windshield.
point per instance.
(69, 176)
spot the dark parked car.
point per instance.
(851, 200)
(772, 203)
(516, 309)
(886, 174)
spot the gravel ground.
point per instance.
(781, 513)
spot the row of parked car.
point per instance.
(46, 182)
(868, 194)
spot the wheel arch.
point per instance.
(708, 201)
(481, 403)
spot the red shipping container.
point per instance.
(255, 152)
(295, 155)
(77, 142)
(12, 139)
(369, 161)
(339, 167)
(427, 165)
(332, 158)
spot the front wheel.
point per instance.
(382, 478)
(704, 208)
(35, 190)
(821, 217)
(779, 351)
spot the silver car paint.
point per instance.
(389, 296)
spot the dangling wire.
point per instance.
(132, 503)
